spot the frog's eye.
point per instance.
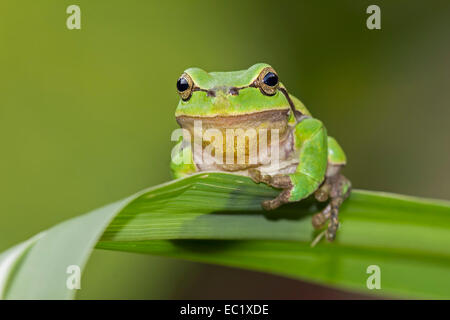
(185, 86)
(268, 81)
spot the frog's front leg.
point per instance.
(280, 181)
(310, 141)
(182, 160)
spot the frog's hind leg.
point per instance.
(336, 188)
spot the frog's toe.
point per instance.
(258, 177)
(319, 219)
(270, 204)
(334, 221)
(282, 198)
(255, 175)
(281, 181)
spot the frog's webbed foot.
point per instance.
(336, 188)
(280, 181)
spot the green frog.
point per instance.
(308, 160)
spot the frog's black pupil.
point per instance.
(271, 79)
(182, 84)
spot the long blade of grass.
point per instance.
(217, 218)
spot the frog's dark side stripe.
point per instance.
(297, 114)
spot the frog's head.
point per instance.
(232, 98)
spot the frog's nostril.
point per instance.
(211, 93)
(234, 91)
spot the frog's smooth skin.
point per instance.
(310, 160)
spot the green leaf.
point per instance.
(217, 218)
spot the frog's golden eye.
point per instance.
(185, 86)
(268, 81)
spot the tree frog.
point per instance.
(310, 161)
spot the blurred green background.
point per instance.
(86, 115)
